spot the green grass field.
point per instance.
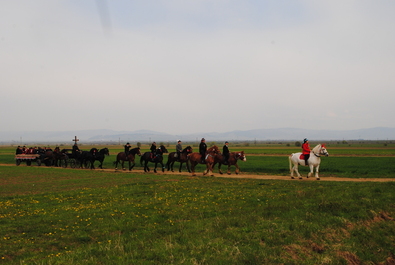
(72, 216)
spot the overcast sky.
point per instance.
(178, 66)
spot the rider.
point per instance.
(225, 152)
(203, 149)
(178, 149)
(76, 149)
(127, 147)
(306, 150)
(153, 150)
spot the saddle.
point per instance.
(301, 157)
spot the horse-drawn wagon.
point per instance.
(28, 158)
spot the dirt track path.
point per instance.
(240, 176)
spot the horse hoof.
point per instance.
(292, 178)
(300, 178)
(318, 178)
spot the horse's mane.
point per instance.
(317, 148)
(213, 148)
(186, 148)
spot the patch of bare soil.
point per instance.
(241, 175)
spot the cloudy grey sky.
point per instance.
(196, 66)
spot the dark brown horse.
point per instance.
(232, 161)
(182, 159)
(196, 158)
(121, 158)
(157, 159)
(55, 158)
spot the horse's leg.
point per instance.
(219, 168)
(316, 172)
(131, 165)
(209, 169)
(212, 169)
(188, 168)
(156, 164)
(291, 167)
(295, 168)
(311, 171)
(193, 168)
(163, 166)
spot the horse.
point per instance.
(313, 161)
(232, 161)
(121, 158)
(98, 155)
(196, 158)
(183, 158)
(157, 159)
(52, 158)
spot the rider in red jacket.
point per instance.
(306, 150)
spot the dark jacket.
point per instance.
(202, 148)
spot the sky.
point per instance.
(179, 67)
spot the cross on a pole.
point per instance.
(75, 140)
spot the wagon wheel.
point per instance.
(63, 163)
(38, 162)
(28, 162)
(73, 163)
(17, 162)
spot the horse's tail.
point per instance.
(290, 162)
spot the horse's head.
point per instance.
(93, 150)
(105, 151)
(213, 150)
(138, 151)
(323, 150)
(163, 149)
(187, 149)
(241, 156)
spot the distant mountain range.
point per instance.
(280, 134)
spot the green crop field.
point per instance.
(52, 215)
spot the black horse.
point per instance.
(97, 155)
(172, 158)
(122, 157)
(54, 158)
(157, 158)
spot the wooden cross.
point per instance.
(75, 140)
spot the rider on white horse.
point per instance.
(306, 151)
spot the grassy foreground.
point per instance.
(63, 216)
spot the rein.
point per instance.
(318, 153)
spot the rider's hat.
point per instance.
(203, 139)
(226, 142)
(178, 141)
(305, 140)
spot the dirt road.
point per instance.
(240, 176)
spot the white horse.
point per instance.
(313, 161)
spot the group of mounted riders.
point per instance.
(209, 156)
